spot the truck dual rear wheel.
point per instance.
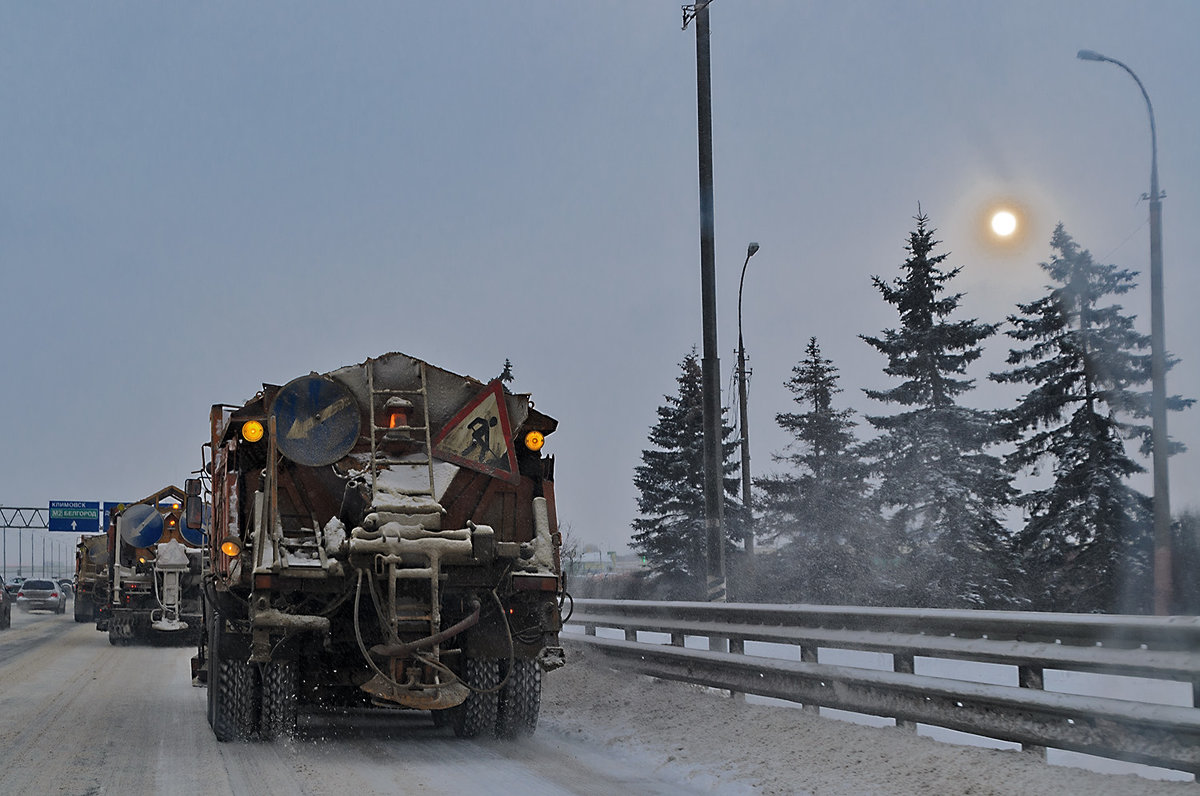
(278, 699)
(520, 700)
(83, 609)
(120, 630)
(233, 692)
(477, 715)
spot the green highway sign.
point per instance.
(75, 516)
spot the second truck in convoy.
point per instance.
(383, 534)
(152, 588)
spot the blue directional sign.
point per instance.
(141, 525)
(74, 516)
(109, 505)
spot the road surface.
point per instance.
(79, 716)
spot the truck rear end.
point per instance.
(383, 534)
(153, 580)
(91, 566)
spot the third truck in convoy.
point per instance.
(91, 568)
(383, 534)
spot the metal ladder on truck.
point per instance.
(407, 614)
(396, 397)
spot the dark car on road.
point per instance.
(41, 595)
(6, 602)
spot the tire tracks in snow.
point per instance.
(42, 691)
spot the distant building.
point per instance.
(595, 562)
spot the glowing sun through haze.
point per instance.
(1004, 223)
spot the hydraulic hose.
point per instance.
(405, 649)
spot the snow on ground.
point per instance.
(718, 744)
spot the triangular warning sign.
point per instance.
(479, 436)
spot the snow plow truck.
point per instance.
(382, 535)
(153, 583)
(91, 568)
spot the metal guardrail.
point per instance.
(1165, 648)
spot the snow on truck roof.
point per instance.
(446, 392)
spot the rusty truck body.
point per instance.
(383, 535)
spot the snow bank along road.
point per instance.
(78, 716)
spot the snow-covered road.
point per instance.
(78, 716)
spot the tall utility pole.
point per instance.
(710, 363)
(1158, 367)
(745, 419)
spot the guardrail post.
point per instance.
(1032, 677)
(904, 664)
(808, 654)
(676, 639)
(631, 634)
(738, 647)
(589, 630)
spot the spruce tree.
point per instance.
(1086, 545)
(940, 492)
(670, 532)
(506, 375)
(818, 511)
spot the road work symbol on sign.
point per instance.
(480, 437)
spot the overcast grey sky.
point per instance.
(201, 197)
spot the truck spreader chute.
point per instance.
(381, 535)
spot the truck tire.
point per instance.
(119, 632)
(212, 661)
(234, 693)
(278, 700)
(520, 700)
(83, 609)
(477, 715)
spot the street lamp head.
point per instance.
(1090, 55)
(750, 250)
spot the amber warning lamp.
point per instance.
(397, 412)
(534, 440)
(252, 431)
(231, 546)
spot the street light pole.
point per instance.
(750, 250)
(714, 502)
(1158, 367)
